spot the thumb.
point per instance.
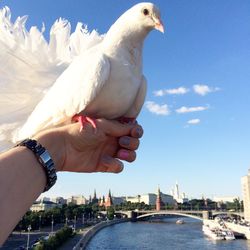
(115, 128)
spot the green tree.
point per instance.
(55, 241)
(110, 213)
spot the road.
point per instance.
(17, 239)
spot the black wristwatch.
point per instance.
(44, 159)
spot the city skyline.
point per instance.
(180, 196)
(195, 114)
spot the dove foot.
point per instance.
(127, 120)
(84, 119)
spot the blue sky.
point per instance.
(196, 117)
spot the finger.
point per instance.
(111, 164)
(115, 128)
(118, 168)
(129, 142)
(126, 155)
(137, 131)
(102, 168)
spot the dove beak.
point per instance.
(159, 25)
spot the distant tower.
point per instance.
(94, 200)
(102, 201)
(176, 191)
(159, 202)
(109, 201)
(245, 183)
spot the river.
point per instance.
(163, 235)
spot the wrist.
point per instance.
(54, 143)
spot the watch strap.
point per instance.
(44, 159)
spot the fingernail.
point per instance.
(124, 154)
(106, 159)
(120, 167)
(125, 141)
(138, 131)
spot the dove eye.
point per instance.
(145, 12)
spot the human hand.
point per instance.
(85, 151)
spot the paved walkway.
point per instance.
(69, 244)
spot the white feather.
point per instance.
(29, 65)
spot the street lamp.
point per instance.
(40, 219)
(52, 223)
(75, 223)
(83, 219)
(28, 240)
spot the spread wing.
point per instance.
(29, 65)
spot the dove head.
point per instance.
(146, 15)
(136, 23)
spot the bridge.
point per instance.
(195, 214)
(192, 214)
(228, 213)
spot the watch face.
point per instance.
(45, 157)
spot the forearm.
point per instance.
(22, 180)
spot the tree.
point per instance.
(55, 241)
(235, 205)
(110, 213)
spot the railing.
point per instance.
(82, 243)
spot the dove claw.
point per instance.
(85, 119)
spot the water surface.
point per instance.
(160, 236)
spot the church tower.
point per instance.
(109, 201)
(94, 199)
(159, 202)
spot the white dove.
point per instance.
(104, 81)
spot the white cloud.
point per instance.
(184, 109)
(194, 121)
(203, 89)
(157, 109)
(159, 92)
(177, 91)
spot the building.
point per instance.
(118, 200)
(175, 192)
(43, 199)
(43, 206)
(150, 199)
(245, 184)
(134, 199)
(78, 200)
(59, 200)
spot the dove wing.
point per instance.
(72, 92)
(136, 107)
